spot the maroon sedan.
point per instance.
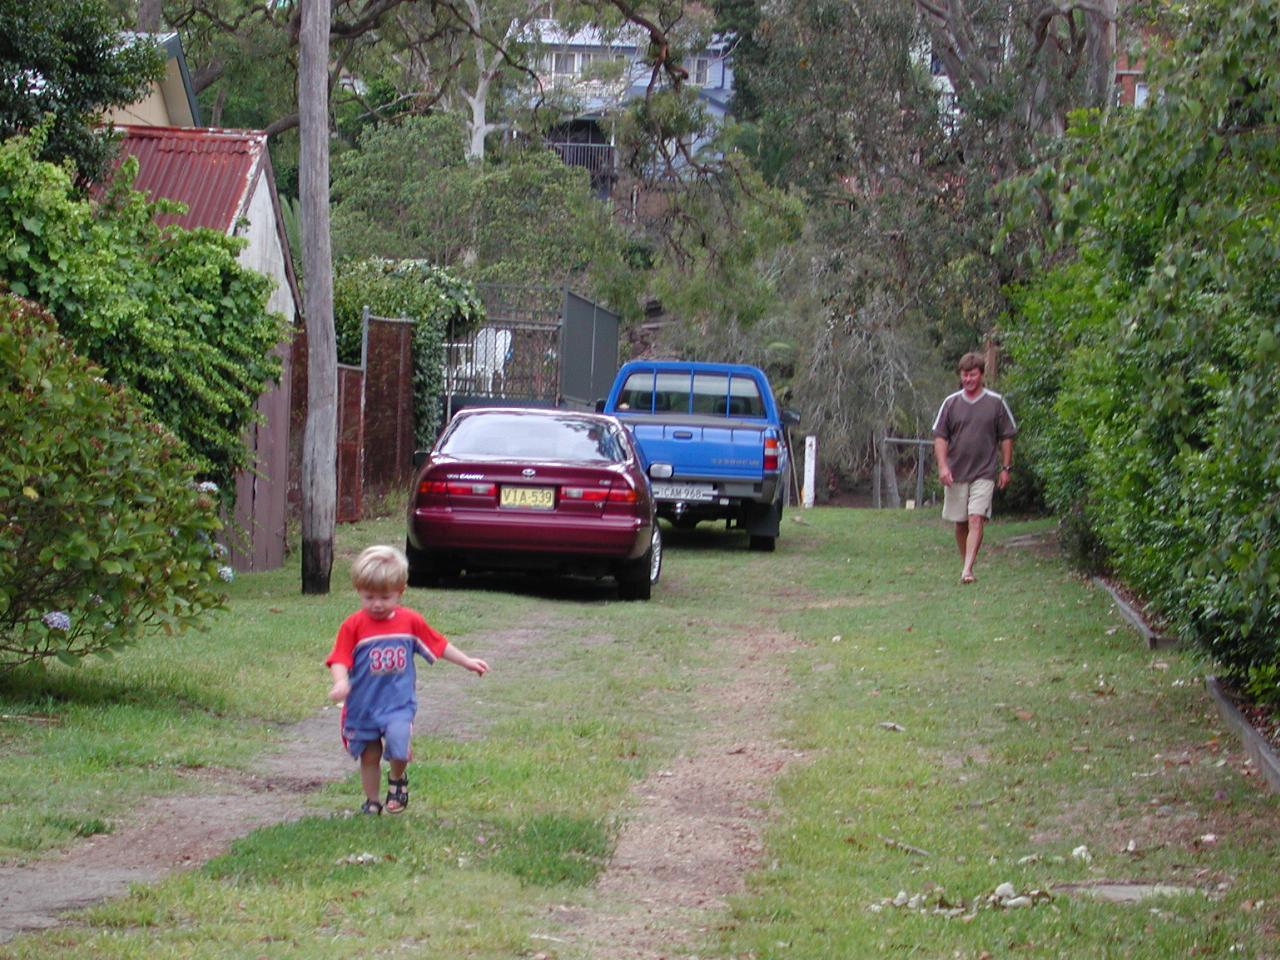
(533, 489)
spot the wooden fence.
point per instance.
(255, 539)
(375, 416)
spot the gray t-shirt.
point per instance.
(973, 430)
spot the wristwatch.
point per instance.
(1006, 467)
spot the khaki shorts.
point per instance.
(960, 501)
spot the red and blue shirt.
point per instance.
(378, 655)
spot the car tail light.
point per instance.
(439, 491)
(617, 493)
(771, 453)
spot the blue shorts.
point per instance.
(395, 731)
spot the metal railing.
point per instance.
(597, 158)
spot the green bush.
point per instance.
(104, 534)
(168, 312)
(430, 295)
(1148, 356)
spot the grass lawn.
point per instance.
(954, 739)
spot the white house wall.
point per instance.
(263, 253)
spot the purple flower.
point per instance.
(207, 486)
(57, 620)
(226, 573)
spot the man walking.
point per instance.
(973, 444)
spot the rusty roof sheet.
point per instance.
(212, 171)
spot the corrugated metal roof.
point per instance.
(212, 171)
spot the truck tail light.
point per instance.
(771, 453)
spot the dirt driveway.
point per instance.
(691, 836)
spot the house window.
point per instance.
(564, 64)
(1140, 94)
(701, 67)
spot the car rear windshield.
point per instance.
(706, 393)
(524, 437)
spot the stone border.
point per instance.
(1255, 744)
(1259, 749)
(1154, 640)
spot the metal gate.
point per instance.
(538, 346)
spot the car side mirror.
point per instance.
(420, 457)
(599, 406)
(661, 471)
(791, 417)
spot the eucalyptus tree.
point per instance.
(1042, 58)
(895, 121)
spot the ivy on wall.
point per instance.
(433, 297)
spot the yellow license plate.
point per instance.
(530, 498)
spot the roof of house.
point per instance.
(175, 87)
(212, 171)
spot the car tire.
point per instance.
(636, 578)
(426, 570)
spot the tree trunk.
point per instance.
(892, 498)
(1100, 54)
(320, 438)
(887, 472)
(479, 127)
(149, 16)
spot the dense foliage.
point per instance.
(168, 312)
(431, 296)
(520, 217)
(104, 534)
(68, 61)
(1160, 337)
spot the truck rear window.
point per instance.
(716, 394)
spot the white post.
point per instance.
(810, 469)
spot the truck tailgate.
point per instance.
(726, 449)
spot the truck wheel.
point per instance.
(772, 522)
(636, 579)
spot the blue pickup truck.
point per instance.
(714, 440)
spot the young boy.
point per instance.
(373, 673)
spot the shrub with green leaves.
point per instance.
(104, 534)
(170, 313)
(63, 64)
(1160, 335)
(432, 296)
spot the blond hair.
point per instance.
(380, 568)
